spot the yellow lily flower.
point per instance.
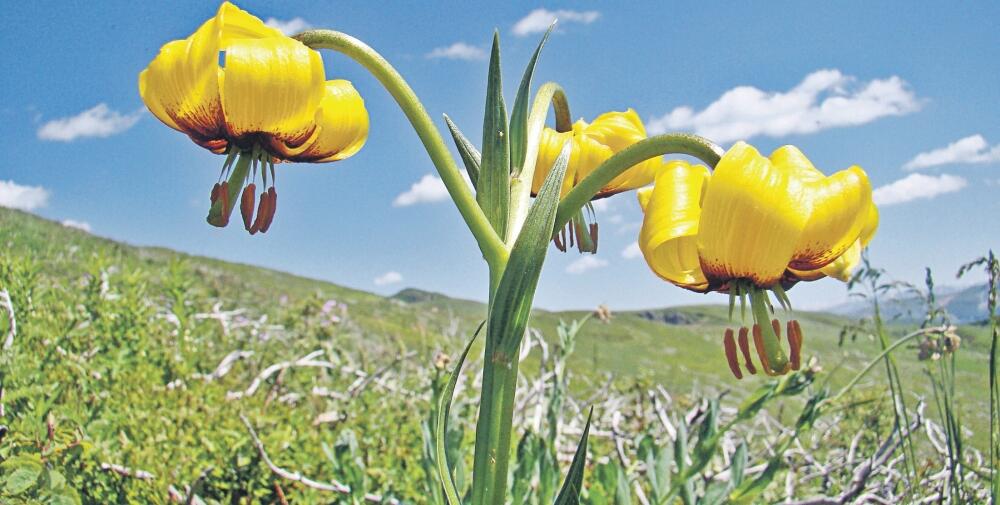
(592, 144)
(268, 101)
(756, 224)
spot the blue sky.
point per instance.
(910, 91)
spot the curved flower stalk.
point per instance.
(266, 101)
(593, 144)
(755, 225)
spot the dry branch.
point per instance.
(8, 306)
(125, 471)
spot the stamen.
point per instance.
(745, 349)
(272, 206)
(247, 204)
(795, 343)
(215, 192)
(593, 235)
(758, 340)
(224, 194)
(734, 363)
(261, 211)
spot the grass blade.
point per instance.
(573, 485)
(441, 425)
(470, 155)
(519, 115)
(493, 189)
(512, 304)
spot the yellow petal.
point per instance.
(839, 206)
(752, 218)
(272, 86)
(181, 85)
(871, 224)
(593, 144)
(669, 235)
(342, 121)
(844, 265)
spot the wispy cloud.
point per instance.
(288, 26)
(390, 277)
(27, 198)
(79, 225)
(585, 263)
(429, 189)
(632, 251)
(971, 149)
(917, 187)
(98, 121)
(539, 20)
(458, 51)
(824, 99)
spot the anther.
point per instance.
(224, 195)
(734, 363)
(744, 342)
(593, 236)
(272, 206)
(261, 211)
(758, 341)
(215, 192)
(247, 204)
(795, 344)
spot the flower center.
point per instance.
(238, 177)
(766, 332)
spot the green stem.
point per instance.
(494, 427)
(670, 143)
(489, 242)
(520, 185)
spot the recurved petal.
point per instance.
(840, 206)
(616, 130)
(550, 144)
(751, 219)
(871, 225)
(272, 86)
(342, 124)
(840, 268)
(668, 238)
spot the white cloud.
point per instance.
(98, 121)
(539, 20)
(632, 251)
(390, 277)
(824, 99)
(458, 51)
(289, 26)
(429, 189)
(971, 149)
(79, 225)
(585, 263)
(916, 187)
(27, 198)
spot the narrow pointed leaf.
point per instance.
(441, 425)
(470, 155)
(738, 465)
(493, 189)
(573, 485)
(519, 115)
(512, 302)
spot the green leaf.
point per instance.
(512, 302)
(573, 485)
(623, 495)
(493, 189)
(440, 429)
(22, 479)
(519, 115)
(738, 465)
(470, 155)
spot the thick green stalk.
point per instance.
(670, 143)
(520, 184)
(489, 242)
(776, 359)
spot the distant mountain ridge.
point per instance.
(965, 305)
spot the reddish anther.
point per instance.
(215, 192)
(593, 235)
(247, 204)
(744, 342)
(261, 212)
(734, 362)
(272, 206)
(795, 343)
(224, 194)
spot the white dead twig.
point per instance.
(309, 360)
(9, 307)
(333, 486)
(225, 365)
(125, 471)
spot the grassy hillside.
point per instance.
(116, 346)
